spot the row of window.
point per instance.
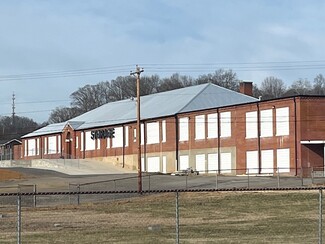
(209, 163)
(153, 131)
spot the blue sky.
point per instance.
(54, 36)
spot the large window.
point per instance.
(183, 129)
(163, 124)
(282, 121)
(213, 125)
(153, 133)
(90, 143)
(52, 145)
(252, 162)
(31, 147)
(225, 121)
(117, 141)
(199, 127)
(251, 124)
(267, 161)
(266, 123)
(283, 160)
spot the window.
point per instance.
(90, 143)
(142, 134)
(183, 129)
(252, 162)
(45, 145)
(52, 144)
(213, 125)
(59, 143)
(200, 163)
(283, 160)
(81, 141)
(38, 146)
(225, 163)
(199, 127)
(153, 133)
(251, 124)
(163, 124)
(98, 143)
(282, 121)
(266, 123)
(212, 162)
(183, 162)
(117, 141)
(126, 135)
(77, 142)
(267, 161)
(31, 147)
(225, 122)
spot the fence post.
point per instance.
(312, 175)
(78, 196)
(278, 177)
(301, 175)
(320, 221)
(216, 179)
(248, 178)
(19, 219)
(34, 190)
(149, 184)
(177, 218)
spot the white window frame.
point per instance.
(117, 141)
(90, 143)
(251, 124)
(225, 124)
(152, 132)
(164, 135)
(52, 147)
(266, 123)
(199, 127)
(282, 121)
(213, 125)
(183, 129)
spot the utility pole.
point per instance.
(137, 73)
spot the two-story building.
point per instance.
(206, 127)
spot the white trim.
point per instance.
(312, 142)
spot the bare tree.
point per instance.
(21, 126)
(61, 114)
(319, 85)
(225, 78)
(301, 87)
(272, 87)
(175, 81)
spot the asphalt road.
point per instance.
(49, 180)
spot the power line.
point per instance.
(172, 67)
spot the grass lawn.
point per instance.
(214, 217)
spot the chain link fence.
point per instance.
(273, 215)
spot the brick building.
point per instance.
(206, 127)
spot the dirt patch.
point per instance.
(6, 174)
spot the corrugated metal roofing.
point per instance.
(156, 105)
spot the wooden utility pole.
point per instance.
(137, 73)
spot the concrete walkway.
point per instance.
(74, 166)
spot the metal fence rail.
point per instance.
(273, 215)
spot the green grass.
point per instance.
(228, 217)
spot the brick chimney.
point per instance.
(246, 87)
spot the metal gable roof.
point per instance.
(156, 105)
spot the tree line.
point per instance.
(89, 97)
(92, 96)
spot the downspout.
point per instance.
(259, 138)
(219, 156)
(145, 145)
(176, 141)
(84, 144)
(123, 148)
(296, 153)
